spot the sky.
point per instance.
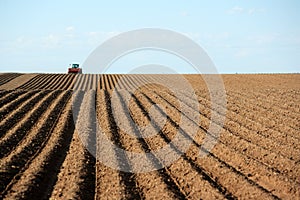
(239, 36)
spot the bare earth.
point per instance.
(16, 82)
(42, 155)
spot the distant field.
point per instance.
(257, 155)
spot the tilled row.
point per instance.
(282, 100)
(9, 96)
(110, 81)
(43, 155)
(260, 156)
(76, 175)
(15, 102)
(238, 169)
(269, 114)
(221, 166)
(86, 82)
(251, 130)
(3, 93)
(155, 184)
(19, 123)
(4, 78)
(27, 146)
(266, 161)
(71, 81)
(49, 82)
(35, 160)
(257, 132)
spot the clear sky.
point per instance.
(240, 36)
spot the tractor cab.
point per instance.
(74, 68)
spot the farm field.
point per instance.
(257, 155)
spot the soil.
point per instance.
(43, 156)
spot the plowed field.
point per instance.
(4, 78)
(257, 155)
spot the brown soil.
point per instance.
(4, 78)
(42, 155)
(17, 81)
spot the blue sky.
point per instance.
(240, 36)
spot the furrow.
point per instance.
(244, 146)
(219, 169)
(78, 82)
(37, 181)
(67, 84)
(16, 119)
(121, 83)
(54, 78)
(110, 81)
(168, 185)
(3, 93)
(115, 80)
(76, 179)
(30, 82)
(13, 94)
(8, 108)
(108, 180)
(13, 164)
(271, 116)
(60, 81)
(181, 174)
(271, 139)
(44, 80)
(70, 84)
(5, 78)
(282, 103)
(126, 181)
(101, 82)
(107, 84)
(85, 81)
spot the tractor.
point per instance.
(74, 68)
